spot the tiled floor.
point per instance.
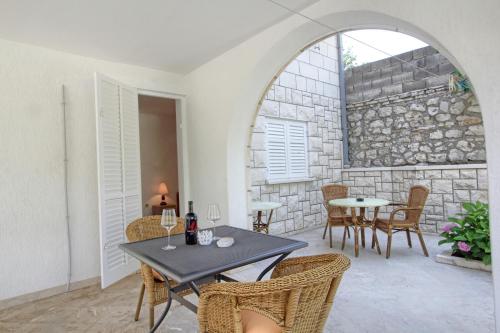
(407, 293)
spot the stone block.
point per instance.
(287, 80)
(465, 184)
(293, 203)
(442, 186)
(305, 113)
(315, 144)
(451, 174)
(482, 179)
(284, 189)
(479, 195)
(435, 199)
(371, 93)
(269, 108)
(432, 174)
(461, 196)
(308, 70)
(468, 173)
(288, 110)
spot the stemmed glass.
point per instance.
(168, 221)
(213, 215)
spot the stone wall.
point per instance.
(450, 186)
(307, 90)
(427, 126)
(401, 115)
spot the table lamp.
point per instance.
(163, 190)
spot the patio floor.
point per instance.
(407, 293)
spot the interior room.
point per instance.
(159, 162)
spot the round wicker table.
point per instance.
(260, 206)
(360, 222)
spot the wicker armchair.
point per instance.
(147, 228)
(337, 216)
(297, 298)
(410, 223)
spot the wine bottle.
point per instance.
(191, 230)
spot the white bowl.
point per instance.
(225, 242)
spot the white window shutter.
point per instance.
(286, 142)
(276, 150)
(297, 150)
(118, 173)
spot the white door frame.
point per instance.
(182, 142)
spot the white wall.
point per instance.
(158, 150)
(223, 93)
(32, 222)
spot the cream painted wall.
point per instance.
(33, 253)
(158, 149)
(223, 93)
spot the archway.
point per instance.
(281, 53)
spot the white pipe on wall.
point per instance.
(66, 198)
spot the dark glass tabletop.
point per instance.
(192, 262)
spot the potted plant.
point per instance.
(469, 233)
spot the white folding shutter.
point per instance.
(276, 149)
(118, 173)
(297, 150)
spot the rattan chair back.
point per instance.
(331, 192)
(416, 199)
(298, 297)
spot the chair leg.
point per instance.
(422, 243)
(326, 227)
(376, 241)
(348, 233)
(331, 238)
(139, 303)
(408, 237)
(389, 240)
(151, 316)
(356, 241)
(346, 230)
(363, 237)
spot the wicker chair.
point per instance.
(297, 298)
(337, 216)
(147, 228)
(410, 223)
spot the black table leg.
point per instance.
(167, 307)
(195, 288)
(274, 263)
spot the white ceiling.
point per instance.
(172, 35)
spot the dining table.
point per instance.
(361, 221)
(192, 265)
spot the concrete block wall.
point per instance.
(390, 76)
(307, 90)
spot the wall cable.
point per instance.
(335, 30)
(66, 196)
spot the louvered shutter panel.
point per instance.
(131, 153)
(297, 150)
(276, 150)
(118, 173)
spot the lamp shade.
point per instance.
(163, 189)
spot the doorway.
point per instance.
(159, 154)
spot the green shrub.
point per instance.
(469, 233)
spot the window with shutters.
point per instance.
(286, 142)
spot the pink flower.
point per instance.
(447, 228)
(463, 246)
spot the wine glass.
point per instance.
(168, 221)
(213, 215)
